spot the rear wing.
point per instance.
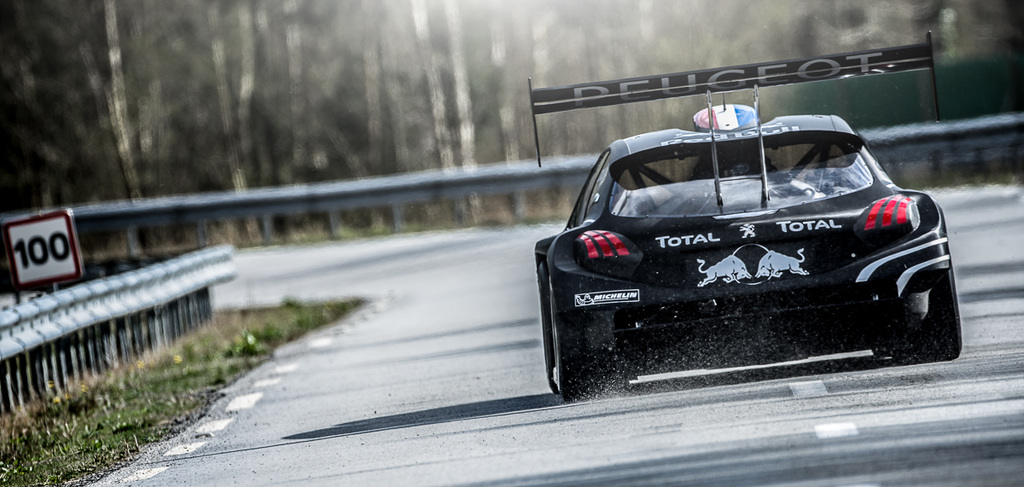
(733, 78)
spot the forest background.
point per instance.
(126, 99)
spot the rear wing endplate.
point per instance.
(719, 80)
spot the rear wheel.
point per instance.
(580, 372)
(544, 289)
(938, 338)
(574, 371)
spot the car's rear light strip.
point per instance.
(611, 245)
(895, 206)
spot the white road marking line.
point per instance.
(213, 426)
(695, 435)
(265, 383)
(244, 402)
(812, 388)
(835, 430)
(286, 368)
(143, 475)
(183, 449)
(703, 372)
(321, 342)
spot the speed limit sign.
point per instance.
(42, 249)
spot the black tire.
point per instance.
(582, 373)
(939, 337)
(544, 290)
(574, 371)
(572, 374)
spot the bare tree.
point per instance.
(293, 43)
(246, 84)
(224, 97)
(397, 110)
(432, 68)
(507, 96)
(372, 77)
(117, 101)
(463, 101)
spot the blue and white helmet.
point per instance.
(727, 117)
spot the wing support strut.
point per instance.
(760, 147)
(712, 122)
(536, 137)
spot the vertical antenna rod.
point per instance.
(712, 121)
(760, 147)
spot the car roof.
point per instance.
(652, 140)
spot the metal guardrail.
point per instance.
(949, 143)
(945, 143)
(51, 340)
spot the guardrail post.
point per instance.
(158, 328)
(57, 370)
(207, 303)
(460, 212)
(334, 219)
(268, 229)
(201, 233)
(396, 214)
(195, 312)
(90, 348)
(174, 315)
(109, 331)
(8, 388)
(124, 354)
(138, 338)
(37, 379)
(78, 365)
(167, 313)
(21, 377)
(142, 338)
(187, 315)
(519, 205)
(132, 236)
(74, 371)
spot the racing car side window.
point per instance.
(586, 202)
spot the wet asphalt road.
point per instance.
(440, 382)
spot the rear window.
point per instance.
(678, 180)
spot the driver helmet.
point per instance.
(727, 117)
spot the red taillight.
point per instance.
(888, 211)
(607, 253)
(610, 244)
(888, 219)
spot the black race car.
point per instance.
(740, 242)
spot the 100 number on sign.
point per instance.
(42, 250)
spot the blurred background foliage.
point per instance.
(116, 99)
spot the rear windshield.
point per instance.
(678, 180)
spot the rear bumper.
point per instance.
(749, 334)
(668, 329)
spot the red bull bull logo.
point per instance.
(769, 265)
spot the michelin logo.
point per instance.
(620, 296)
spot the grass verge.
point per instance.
(106, 419)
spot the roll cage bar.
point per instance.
(911, 57)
